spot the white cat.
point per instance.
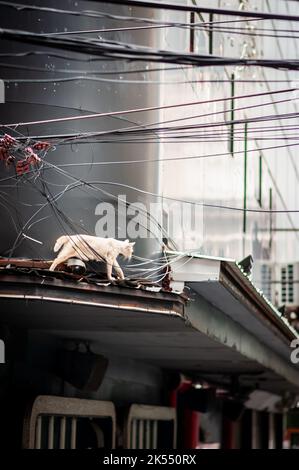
(88, 248)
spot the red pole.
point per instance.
(228, 434)
(191, 419)
(191, 428)
(183, 386)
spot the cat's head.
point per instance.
(127, 249)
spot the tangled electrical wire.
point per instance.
(147, 268)
(28, 155)
(35, 177)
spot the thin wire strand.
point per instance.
(94, 184)
(146, 109)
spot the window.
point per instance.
(266, 278)
(287, 283)
(290, 283)
(283, 285)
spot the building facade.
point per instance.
(188, 344)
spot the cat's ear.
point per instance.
(132, 243)
(127, 241)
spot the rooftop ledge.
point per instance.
(225, 285)
(213, 322)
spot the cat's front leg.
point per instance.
(109, 265)
(118, 270)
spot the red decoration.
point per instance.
(22, 167)
(7, 141)
(10, 150)
(3, 154)
(41, 146)
(6, 145)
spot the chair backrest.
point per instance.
(150, 427)
(53, 422)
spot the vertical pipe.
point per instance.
(191, 38)
(278, 418)
(155, 434)
(133, 434)
(174, 401)
(76, 97)
(228, 434)
(232, 114)
(191, 429)
(271, 444)
(51, 433)
(260, 180)
(255, 430)
(237, 434)
(286, 439)
(245, 177)
(246, 433)
(38, 433)
(211, 33)
(62, 433)
(73, 433)
(147, 434)
(140, 433)
(271, 217)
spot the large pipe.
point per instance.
(37, 101)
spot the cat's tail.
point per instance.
(59, 242)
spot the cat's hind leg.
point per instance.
(55, 263)
(66, 253)
(58, 261)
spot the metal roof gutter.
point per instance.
(228, 307)
(195, 270)
(26, 287)
(232, 277)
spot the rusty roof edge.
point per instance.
(242, 279)
(256, 296)
(116, 306)
(70, 285)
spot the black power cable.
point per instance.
(201, 9)
(118, 50)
